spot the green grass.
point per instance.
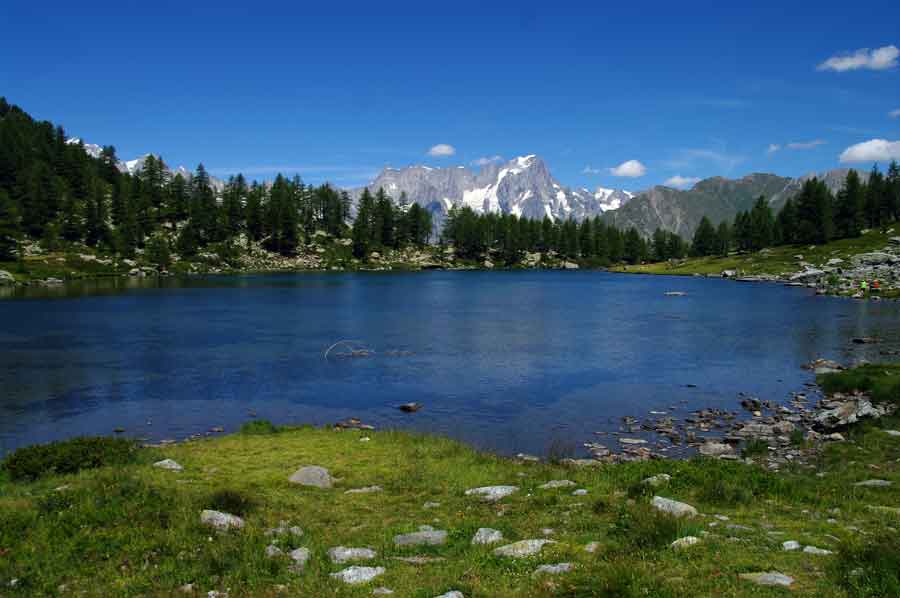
(134, 529)
(775, 260)
(882, 382)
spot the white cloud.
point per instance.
(681, 182)
(631, 169)
(874, 150)
(878, 59)
(487, 160)
(803, 145)
(894, 113)
(773, 147)
(441, 150)
(591, 170)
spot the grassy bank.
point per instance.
(134, 529)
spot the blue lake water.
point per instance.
(508, 361)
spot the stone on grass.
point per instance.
(300, 556)
(523, 548)
(592, 547)
(873, 484)
(556, 484)
(283, 529)
(421, 538)
(884, 510)
(814, 550)
(452, 594)
(365, 490)
(685, 542)
(486, 535)
(492, 493)
(553, 569)
(221, 521)
(382, 592)
(894, 433)
(768, 578)
(342, 554)
(418, 560)
(358, 575)
(272, 551)
(673, 507)
(313, 475)
(658, 480)
(431, 505)
(168, 464)
(580, 492)
(790, 545)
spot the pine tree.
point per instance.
(660, 245)
(96, 228)
(704, 242)
(874, 192)
(786, 224)
(849, 217)
(891, 206)
(9, 228)
(71, 224)
(723, 239)
(158, 251)
(635, 247)
(362, 225)
(254, 212)
(815, 219)
(233, 199)
(384, 218)
(762, 225)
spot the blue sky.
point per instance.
(339, 90)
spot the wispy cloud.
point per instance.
(878, 59)
(681, 182)
(804, 145)
(874, 150)
(441, 150)
(487, 160)
(688, 158)
(773, 147)
(894, 113)
(630, 169)
(591, 170)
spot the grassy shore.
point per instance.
(134, 529)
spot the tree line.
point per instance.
(813, 217)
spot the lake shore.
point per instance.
(545, 528)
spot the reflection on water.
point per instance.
(511, 361)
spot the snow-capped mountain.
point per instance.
(133, 167)
(523, 186)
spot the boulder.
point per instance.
(6, 279)
(875, 258)
(715, 449)
(684, 542)
(168, 464)
(523, 548)
(221, 521)
(492, 493)
(658, 480)
(420, 538)
(358, 575)
(452, 594)
(874, 484)
(553, 569)
(365, 490)
(300, 556)
(486, 535)
(790, 545)
(768, 578)
(817, 551)
(557, 484)
(844, 413)
(313, 475)
(673, 507)
(342, 554)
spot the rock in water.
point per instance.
(486, 535)
(313, 475)
(410, 407)
(522, 548)
(769, 578)
(492, 493)
(221, 521)
(673, 507)
(168, 464)
(358, 575)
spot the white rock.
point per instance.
(556, 484)
(769, 578)
(492, 493)
(312, 476)
(358, 575)
(790, 545)
(873, 484)
(894, 433)
(673, 507)
(580, 492)
(427, 537)
(553, 569)
(685, 542)
(522, 548)
(300, 556)
(365, 490)
(221, 521)
(168, 464)
(814, 550)
(658, 480)
(716, 449)
(592, 547)
(382, 592)
(272, 551)
(342, 554)
(486, 535)
(452, 594)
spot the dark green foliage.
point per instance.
(869, 566)
(705, 241)
(756, 448)
(158, 251)
(641, 527)
(259, 426)
(69, 456)
(9, 228)
(815, 213)
(882, 382)
(230, 501)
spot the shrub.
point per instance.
(756, 448)
(69, 456)
(641, 527)
(230, 501)
(870, 567)
(259, 426)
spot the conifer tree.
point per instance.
(9, 228)
(704, 242)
